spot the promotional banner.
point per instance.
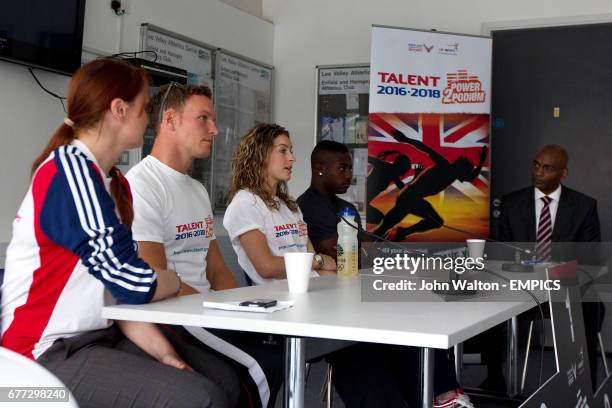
(428, 135)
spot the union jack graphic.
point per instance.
(451, 135)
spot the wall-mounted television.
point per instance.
(42, 33)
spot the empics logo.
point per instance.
(462, 88)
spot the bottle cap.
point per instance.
(347, 212)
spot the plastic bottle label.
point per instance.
(347, 261)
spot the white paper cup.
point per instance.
(298, 266)
(475, 248)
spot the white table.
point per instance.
(333, 309)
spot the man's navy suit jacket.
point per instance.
(576, 221)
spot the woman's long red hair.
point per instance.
(90, 93)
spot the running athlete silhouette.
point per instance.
(431, 181)
(384, 173)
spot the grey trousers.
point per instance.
(104, 369)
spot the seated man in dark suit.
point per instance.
(547, 213)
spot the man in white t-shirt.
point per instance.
(173, 224)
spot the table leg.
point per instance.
(459, 363)
(427, 371)
(512, 360)
(295, 363)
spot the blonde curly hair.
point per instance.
(250, 165)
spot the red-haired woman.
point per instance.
(72, 253)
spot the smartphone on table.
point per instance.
(265, 303)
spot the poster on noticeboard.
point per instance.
(428, 135)
(342, 116)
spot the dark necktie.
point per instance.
(544, 238)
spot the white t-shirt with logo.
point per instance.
(173, 209)
(285, 230)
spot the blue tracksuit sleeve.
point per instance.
(79, 214)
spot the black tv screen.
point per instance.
(46, 34)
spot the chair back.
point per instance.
(19, 371)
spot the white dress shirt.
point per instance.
(552, 207)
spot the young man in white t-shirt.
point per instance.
(173, 224)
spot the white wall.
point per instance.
(209, 21)
(323, 32)
(252, 7)
(29, 116)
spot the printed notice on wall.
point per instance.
(179, 53)
(344, 81)
(342, 116)
(243, 100)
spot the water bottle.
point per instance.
(348, 246)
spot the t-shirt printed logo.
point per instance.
(285, 230)
(303, 228)
(209, 227)
(195, 229)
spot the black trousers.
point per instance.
(104, 369)
(375, 375)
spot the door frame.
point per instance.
(488, 27)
